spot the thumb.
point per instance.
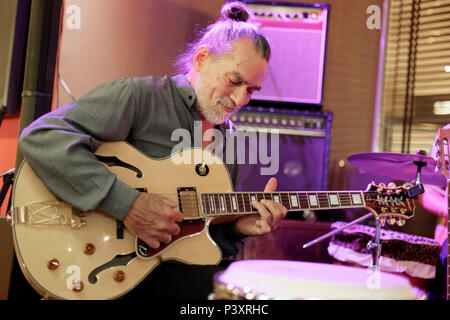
(271, 185)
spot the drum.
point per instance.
(413, 256)
(298, 280)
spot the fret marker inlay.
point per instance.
(356, 198)
(312, 200)
(334, 200)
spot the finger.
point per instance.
(277, 210)
(173, 216)
(160, 236)
(152, 242)
(166, 226)
(265, 220)
(271, 185)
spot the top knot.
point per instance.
(234, 11)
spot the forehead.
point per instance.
(244, 59)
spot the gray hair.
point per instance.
(218, 37)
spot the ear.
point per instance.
(200, 56)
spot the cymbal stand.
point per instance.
(375, 245)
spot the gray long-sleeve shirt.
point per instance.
(143, 111)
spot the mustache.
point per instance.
(227, 102)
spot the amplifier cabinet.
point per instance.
(297, 36)
(291, 145)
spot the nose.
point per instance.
(240, 96)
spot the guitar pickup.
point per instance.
(141, 189)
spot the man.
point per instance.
(225, 67)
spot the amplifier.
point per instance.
(298, 142)
(297, 36)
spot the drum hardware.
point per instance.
(398, 166)
(375, 245)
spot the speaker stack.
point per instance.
(286, 114)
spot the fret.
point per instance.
(303, 200)
(268, 196)
(206, 209)
(344, 199)
(285, 200)
(216, 203)
(243, 203)
(323, 200)
(247, 201)
(228, 202)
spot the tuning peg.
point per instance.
(401, 222)
(381, 187)
(392, 185)
(391, 221)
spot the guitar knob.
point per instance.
(402, 210)
(401, 222)
(53, 264)
(89, 249)
(391, 221)
(382, 221)
(119, 276)
(78, 286)
(383, 209)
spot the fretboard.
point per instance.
(216, 204)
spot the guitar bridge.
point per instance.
(187, 201)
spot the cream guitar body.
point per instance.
(58, 250)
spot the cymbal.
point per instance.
(399, 166)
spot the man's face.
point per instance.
(226, 83)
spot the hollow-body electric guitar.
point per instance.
(65, 254)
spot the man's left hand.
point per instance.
(270, 214)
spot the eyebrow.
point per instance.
(240, 78)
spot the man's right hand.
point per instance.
(153, 218)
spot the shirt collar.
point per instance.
(185, 89)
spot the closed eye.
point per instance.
(235, 83)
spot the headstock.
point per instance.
(441, 153)
(392, 204)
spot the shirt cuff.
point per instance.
(119, 200)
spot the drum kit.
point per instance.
(364, 278)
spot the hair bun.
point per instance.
(234, 11)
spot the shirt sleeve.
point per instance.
(60, 147)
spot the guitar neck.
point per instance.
(219, 204)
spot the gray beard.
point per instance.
(212, 111)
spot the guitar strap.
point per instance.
(8, 179)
